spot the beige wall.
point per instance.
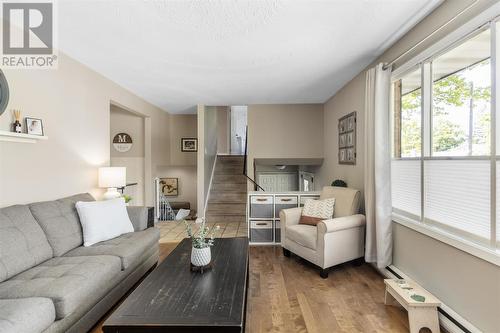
(135, 174)
(182, 126)
(207, 152)
(468, 284)
(74, 103)
(123, 121)
(187, 182)
(460, 280)
(182, 164)
(223, 135)
(345, 101)
(284, 131)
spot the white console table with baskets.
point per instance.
(263, 213)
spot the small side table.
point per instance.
(420, 314)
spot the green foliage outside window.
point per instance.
(449, 93)
(452, 92)
(411, 124)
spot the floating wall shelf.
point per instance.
(20, 137)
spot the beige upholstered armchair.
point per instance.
(331, 242)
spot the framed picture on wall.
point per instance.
(351, 123)
(350, 139)
(347, 139)
(189, 144)
(342, 140)
(169, 186)
(342, 155)
(350, 155)
(341, 126)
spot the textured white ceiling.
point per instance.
(176, 54)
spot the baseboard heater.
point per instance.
(441, 311)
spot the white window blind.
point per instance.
(405, 179)
(457, 195)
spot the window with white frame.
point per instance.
(444, 167)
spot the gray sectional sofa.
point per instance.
(49, 282)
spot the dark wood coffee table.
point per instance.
(174, 299)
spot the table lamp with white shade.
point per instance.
(112, 178)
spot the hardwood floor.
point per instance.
(287, 295)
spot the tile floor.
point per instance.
(174, 231)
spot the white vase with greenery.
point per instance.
(202, 239)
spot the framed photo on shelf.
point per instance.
(189, 144)
(34, 126)
(347, 139)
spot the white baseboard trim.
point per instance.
(209, 187)
(444, 321)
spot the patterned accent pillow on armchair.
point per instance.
(317, 210)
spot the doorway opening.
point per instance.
(238, 124)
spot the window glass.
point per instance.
(407, 115)
(461, 95)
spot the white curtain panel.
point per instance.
(378, 167)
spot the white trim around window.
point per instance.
(489, 251)
(468, 28)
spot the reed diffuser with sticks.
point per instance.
(17, 126)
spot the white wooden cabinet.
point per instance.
(263, 208)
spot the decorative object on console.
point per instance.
(169, 186)
(34, 126)
(202, 239)
(122, 142)
(410, 290)
(127, 198)
(339, 183)
(17, 127)
(189, 144)
(347, 139)
(317, 210)
(112, 178)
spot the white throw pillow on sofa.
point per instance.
(103, 220)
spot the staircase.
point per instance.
(228, 193)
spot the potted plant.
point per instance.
(202, 239)
(127, 198)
